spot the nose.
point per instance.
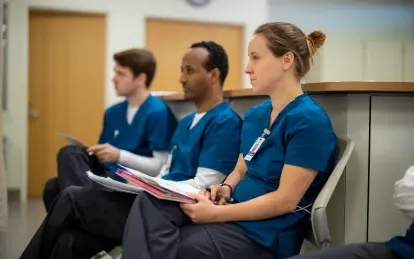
(248, 69)
(182, 79)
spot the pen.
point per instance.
(227, 199)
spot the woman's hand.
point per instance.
(204, 211)
(217, 193)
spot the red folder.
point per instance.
(162, 189)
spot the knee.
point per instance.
(51, 188)
(51, 184)
(72, 192)
(66, 152)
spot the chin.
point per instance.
(257, 89)
(188, 96)
(120, 94)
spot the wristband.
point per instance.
(228, 185)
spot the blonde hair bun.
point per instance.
(317, 38)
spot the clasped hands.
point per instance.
(207, 209)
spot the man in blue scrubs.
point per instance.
(205, 147)
(399, 247)
(135, 131)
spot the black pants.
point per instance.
(352, 251)
(73, 162)
(81, 223)
(158, 229)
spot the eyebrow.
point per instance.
(253, 52)
(187, 67)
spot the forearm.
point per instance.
(233, 179)
(266, 206)
(205, 177)
(147, 165)
(238, 173)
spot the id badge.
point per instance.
(254, 148)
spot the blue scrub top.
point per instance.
(214, 143)
(403, 246)
(151, 129)
(302, 135)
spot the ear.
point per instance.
(215, 75)
(288, 60)
(140, 79)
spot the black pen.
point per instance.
(227, 199)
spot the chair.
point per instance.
(116, 253)
(318, 233)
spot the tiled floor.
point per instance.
(24, 219)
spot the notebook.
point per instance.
(158, 187)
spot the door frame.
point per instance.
(23, 153)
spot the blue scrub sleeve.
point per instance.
(311, 145)
(161, 126)
(221, 146)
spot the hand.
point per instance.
(217, 193)
(105, 153)
(204, 211)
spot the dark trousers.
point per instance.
(73, 162)
(81, 223)
(159, 229)
(352, 251)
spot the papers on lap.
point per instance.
(138, 182)
(160, 188)
(114, 185)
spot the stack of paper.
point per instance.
(113, 185)
(138, 182)
(160, 188)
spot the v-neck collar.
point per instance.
(281, 114)
(207, 115)
(140, 110)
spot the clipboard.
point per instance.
(72, 141)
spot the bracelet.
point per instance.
(228, 185)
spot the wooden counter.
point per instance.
(324, 87)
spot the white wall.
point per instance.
(125, 28)
(366, 40)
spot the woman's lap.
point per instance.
(218, 240)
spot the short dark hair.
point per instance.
(217, 58)
(286, 37)
(139, 61)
